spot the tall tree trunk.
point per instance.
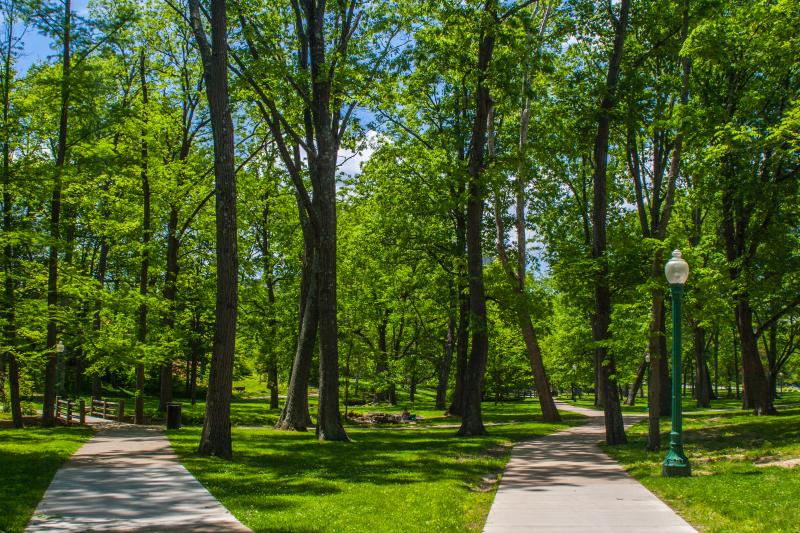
(272, 359)
(216, 437)
(615, 430)
(462, 332)
(638, 382)
(145, 262)
(471, 420)
(9, 313)
(702, 382)
(516, 279)
(756, 385)
(295, 415)
(50, 376)
(329, 423)
(170, 293)
(447, 359)
(102, 265)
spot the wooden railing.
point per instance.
(67, 410)
(108, 410)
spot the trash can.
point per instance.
(173, 416)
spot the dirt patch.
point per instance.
(764, 462)
(487, 483)
(371, 419)
(498, 451)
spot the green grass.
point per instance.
(424, 479)
(727, 492)
(29, 458)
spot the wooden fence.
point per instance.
(108, 410)
(66, 410)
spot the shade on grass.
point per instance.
(728, 490)
(29, 458)
(422, 479)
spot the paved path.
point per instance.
(127, 478)
(565, 483)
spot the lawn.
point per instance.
(733, 487)
(29, 459)
(421, 479)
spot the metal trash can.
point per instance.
(173, 416)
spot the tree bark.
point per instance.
(447, 359)
(295, 415)
(50, 377)
(216, 437)
(615, 430)
(170, 293)
(462, 332)
(471, 420)
(638, 383)
(145, 261)
(702, 382)
(9, 313)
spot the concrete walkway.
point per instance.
(127, 478)
(565, 483)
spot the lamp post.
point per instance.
(676, 464)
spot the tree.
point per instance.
(216, 437)
(615, 430)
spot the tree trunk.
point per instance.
(216, 437)
(50, 376)
(329, 423)
(9, 313)
(615, 431)
(701, 383)
(447, 359)
(756, 385)
(471, 420)
(638, 382)
(145, 262)
(170, 293)
(295, 415)
(462, 332)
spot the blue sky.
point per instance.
(36, 47)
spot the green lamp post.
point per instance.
(676, 464)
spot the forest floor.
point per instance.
(745, 470)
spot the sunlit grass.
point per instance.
(728, 491)
(29, 458)
(424, 479)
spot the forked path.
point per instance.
(127, 478)
(565, 483)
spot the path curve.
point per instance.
(128, 479)
(564, 482)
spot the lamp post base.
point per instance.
(676, 464)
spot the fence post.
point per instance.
(69, 412)
(58, 405)
(82, 414)
(121, 411)
(91, 406)
(105, 403)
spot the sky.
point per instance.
(36, 47)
